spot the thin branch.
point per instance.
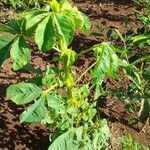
(85, 72)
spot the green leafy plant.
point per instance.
(145, 4)
(128, 143)
(23, 3)
(55, 97)
(53, 28)
(69, 113)
(138, 90)
(145, 19)
(136, 70)
(72, 117)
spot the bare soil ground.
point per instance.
(16, 136)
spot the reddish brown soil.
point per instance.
(14, 135)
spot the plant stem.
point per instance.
(92, 87)
(84, 51)
(49, 89)
(56, 49)
(141, 59)
(85, 72)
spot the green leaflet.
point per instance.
(34, 113)
(5, 43)
(4, 54)
(64, 28)
(133, 74)
(145, 105)
(20, 53)
(30, 68)
(6, 39)
(86, 25)
(54, 102)
(50, 29)
(55, 107)
(75, 17)
(98, 91)
(19, 50)
(23, 93)
(45, 34)
(33, 18)
(78, 19)
(5, 28)
(64, 142)
(36, 80)
(16, 26)
(79, 133)
(143, 38)
(55, 6)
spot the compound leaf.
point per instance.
(107, 63)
